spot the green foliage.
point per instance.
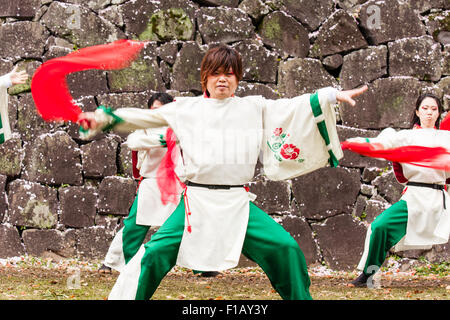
(439, 269)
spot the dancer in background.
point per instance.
(148, 151)
(7, 81)
(148, 147)
(421, 218)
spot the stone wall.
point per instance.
(62, 195)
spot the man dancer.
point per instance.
(221, 137)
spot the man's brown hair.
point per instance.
(220, 57)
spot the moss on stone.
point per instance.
(148, 34)
(9, 166)
(25, 87)
(20, 88)
(139, 74)
(39, 214)
(443, 23)
(394, 104)
(192, 79)
(10, 161)
(316, 51)
(271, 28)
(166, 25)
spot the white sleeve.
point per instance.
(307, 125)
(142, 141)
(140, 158)
(5, 81)
(128, 119)
(389, 138)
(135, 118)
(327, 100)
(329, 94)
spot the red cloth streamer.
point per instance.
(49, 86)
(436, 157)
(168, 182)
(187, 210)
(445, 123)
(398, 171)
(134, 160)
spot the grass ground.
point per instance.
(29, 278)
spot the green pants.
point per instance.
(2, 135)
(266, 243)
(133, 234)
(386, 231)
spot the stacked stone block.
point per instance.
(67, 196)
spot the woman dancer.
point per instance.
(422, 216)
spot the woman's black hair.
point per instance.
(415, 119)
(161, 97)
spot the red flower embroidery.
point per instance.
(278, 131)
(289, 151)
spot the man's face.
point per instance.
(222, 84)
(156, 104)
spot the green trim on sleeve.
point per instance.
(162, 140)
(320, 121)
(83, 131)
(2, 135)
(115, 120)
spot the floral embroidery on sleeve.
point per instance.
(282, 150)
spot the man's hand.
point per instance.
(348, 95)
(87, 120)
(18, 77)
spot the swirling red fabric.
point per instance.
(49, 88)
(168, 182)
(445, 123)
(431, 157)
